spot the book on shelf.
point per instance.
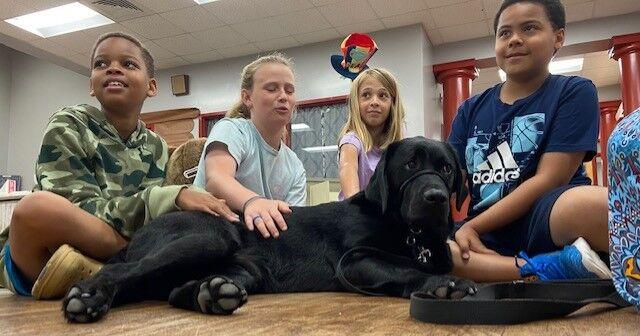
(10, 183)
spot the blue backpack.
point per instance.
(624, 207)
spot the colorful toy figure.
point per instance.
(357, 49)
(624, 213)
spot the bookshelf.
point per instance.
(7, 204)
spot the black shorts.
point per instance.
(530, 233)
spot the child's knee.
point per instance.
(592, 199)
(596, 199)
(32, 212)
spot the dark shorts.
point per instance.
(530, 233)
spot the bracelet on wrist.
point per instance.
(251, 199)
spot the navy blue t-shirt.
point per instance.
(500, 145)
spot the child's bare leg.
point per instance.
(581, 212)
(43, 221)
(578, 212)
(484, 267)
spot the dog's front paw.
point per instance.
(85, 304)
(449, 287)
(219, 295)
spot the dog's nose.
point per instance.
(435, 196)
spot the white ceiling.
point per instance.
(180, 32)
(597, 66)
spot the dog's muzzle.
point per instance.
(404, 184)
(421, 254)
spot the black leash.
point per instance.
(371, 252)
(515, 302)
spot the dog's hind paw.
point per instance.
(85, 306)
(219, 295)
(448, 287)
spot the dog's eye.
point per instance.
(446, 169)
(412, 164)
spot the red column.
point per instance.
(594, 169)
(455, 78)
(608, 110)
(626, 50)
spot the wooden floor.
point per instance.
(292, 314)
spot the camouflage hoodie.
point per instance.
(83, 159)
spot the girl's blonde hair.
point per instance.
(239, 109)
(393, 126)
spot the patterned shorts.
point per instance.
(10, 277)
(4, 283)
(624, 203)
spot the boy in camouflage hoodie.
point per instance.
(99, 179)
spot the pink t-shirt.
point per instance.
(367, 161)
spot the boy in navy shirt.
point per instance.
(522, 143)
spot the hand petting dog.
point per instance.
(265, 215)
(193, 200)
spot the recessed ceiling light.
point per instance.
(320, 149)
(564, 66)
(202, 2)
(60, 20)
(556, 67)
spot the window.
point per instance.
(314, 135)
(207, 121)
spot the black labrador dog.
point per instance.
(398, 225)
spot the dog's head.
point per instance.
(415, 180)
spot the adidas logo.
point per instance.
(499, 167)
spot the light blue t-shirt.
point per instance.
(274, 174)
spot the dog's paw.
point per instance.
(85, 305)
(219, 295)
(448, 287)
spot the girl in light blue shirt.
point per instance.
(245, 161)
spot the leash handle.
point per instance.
(614, 299)
(513, 303)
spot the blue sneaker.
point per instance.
(575, 261)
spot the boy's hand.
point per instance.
(264, 214)
(188, 199)
(469, 239)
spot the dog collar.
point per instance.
(421, 253)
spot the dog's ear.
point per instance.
(378, 188)
(459, 181)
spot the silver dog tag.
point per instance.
(424, 255)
